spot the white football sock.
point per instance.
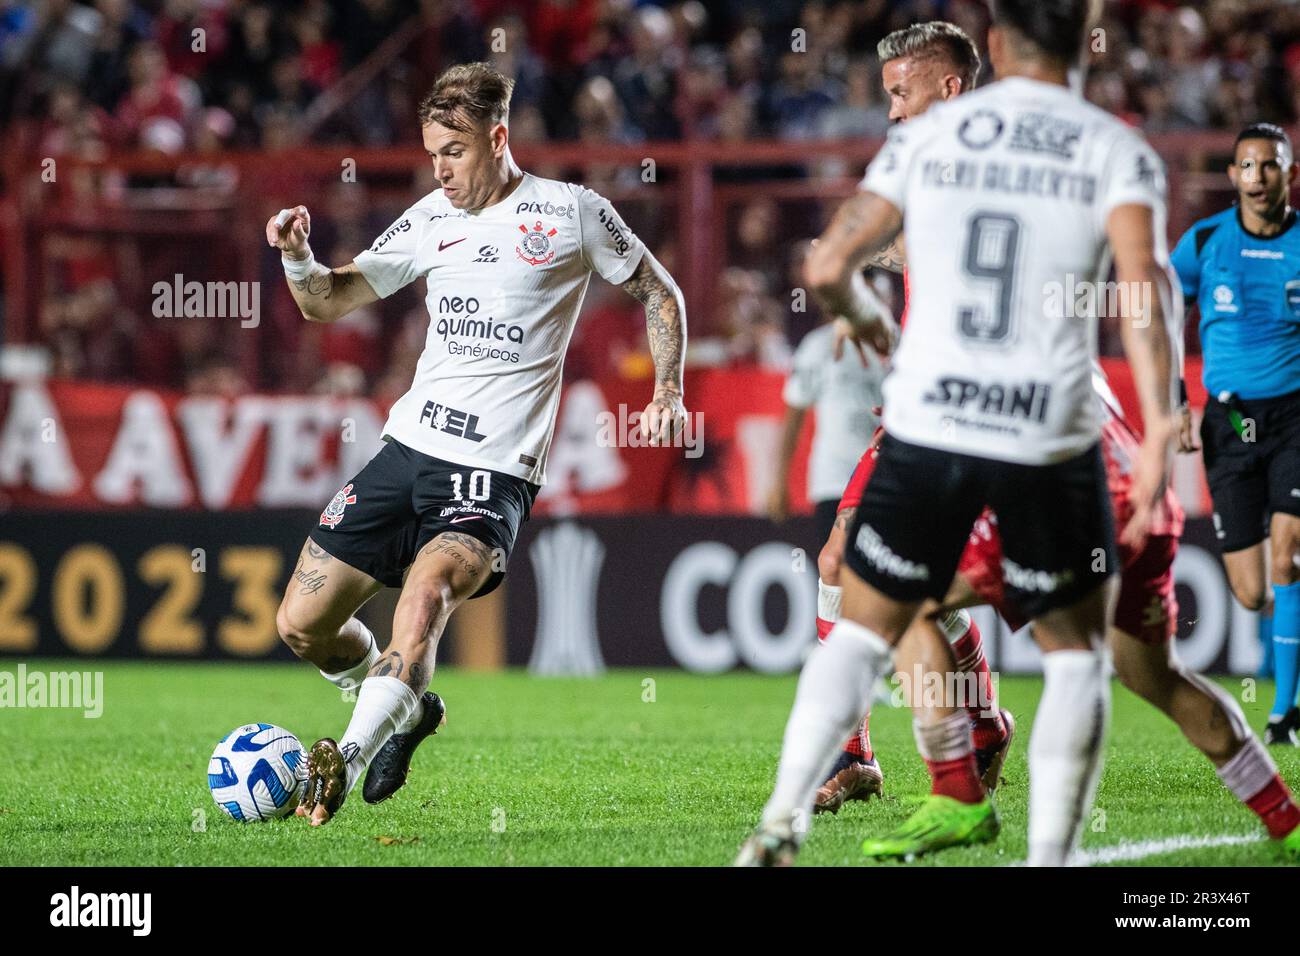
(383, 705)
(955, 624)
(828, 601)
(944, 740)
(834, 692)
(354, 675)
(1065, 752)
(1249, 771)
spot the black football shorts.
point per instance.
(402, 499)
(1252, 465)
(1058, 533)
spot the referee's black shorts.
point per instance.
(1058, 533)
(1255, 472)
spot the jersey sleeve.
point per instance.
(609, 247)
(887, 173)
(391, 262)
(1134, 175)
(1187, 264)
(803, 385)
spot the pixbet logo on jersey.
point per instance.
(535, 249)
(453, 421)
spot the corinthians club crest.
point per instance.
(535, 249)
(333, 512)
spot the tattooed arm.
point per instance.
(323, 295)
(665, 319)
(328, 295)
(864, 226)
(892, 258)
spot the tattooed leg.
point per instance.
(316, 619)
(448, 570)
(393, 713)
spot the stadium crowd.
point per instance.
(87, 79)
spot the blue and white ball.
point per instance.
(258, 772)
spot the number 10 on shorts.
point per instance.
(480, 486)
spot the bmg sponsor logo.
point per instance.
(617, 231)
(403, 226)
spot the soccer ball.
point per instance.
(258, 772)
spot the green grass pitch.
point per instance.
(541, 771)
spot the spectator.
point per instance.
(155, 93)
(862, 113)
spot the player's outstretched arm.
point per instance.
(322, 294)
(1145, 334)
(863, 227)
(665, 320)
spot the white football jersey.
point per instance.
(1005, 193)
(505, 284)
(843, 391)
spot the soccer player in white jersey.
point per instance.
(507, 257)
(842, 390)
(921, 65)
(990, 403)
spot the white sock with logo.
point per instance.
(834, 692)
(383, 705)
(1065, 752)
(354, 675)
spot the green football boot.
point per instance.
(940, 822)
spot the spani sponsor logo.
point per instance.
(1024, 400)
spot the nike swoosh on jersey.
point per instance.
(447, 245)
(465, 518)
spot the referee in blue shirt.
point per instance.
(1242, 267)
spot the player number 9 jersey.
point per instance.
(1005, 195)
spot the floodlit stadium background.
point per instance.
(159, 471)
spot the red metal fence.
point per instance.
(705, 207)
